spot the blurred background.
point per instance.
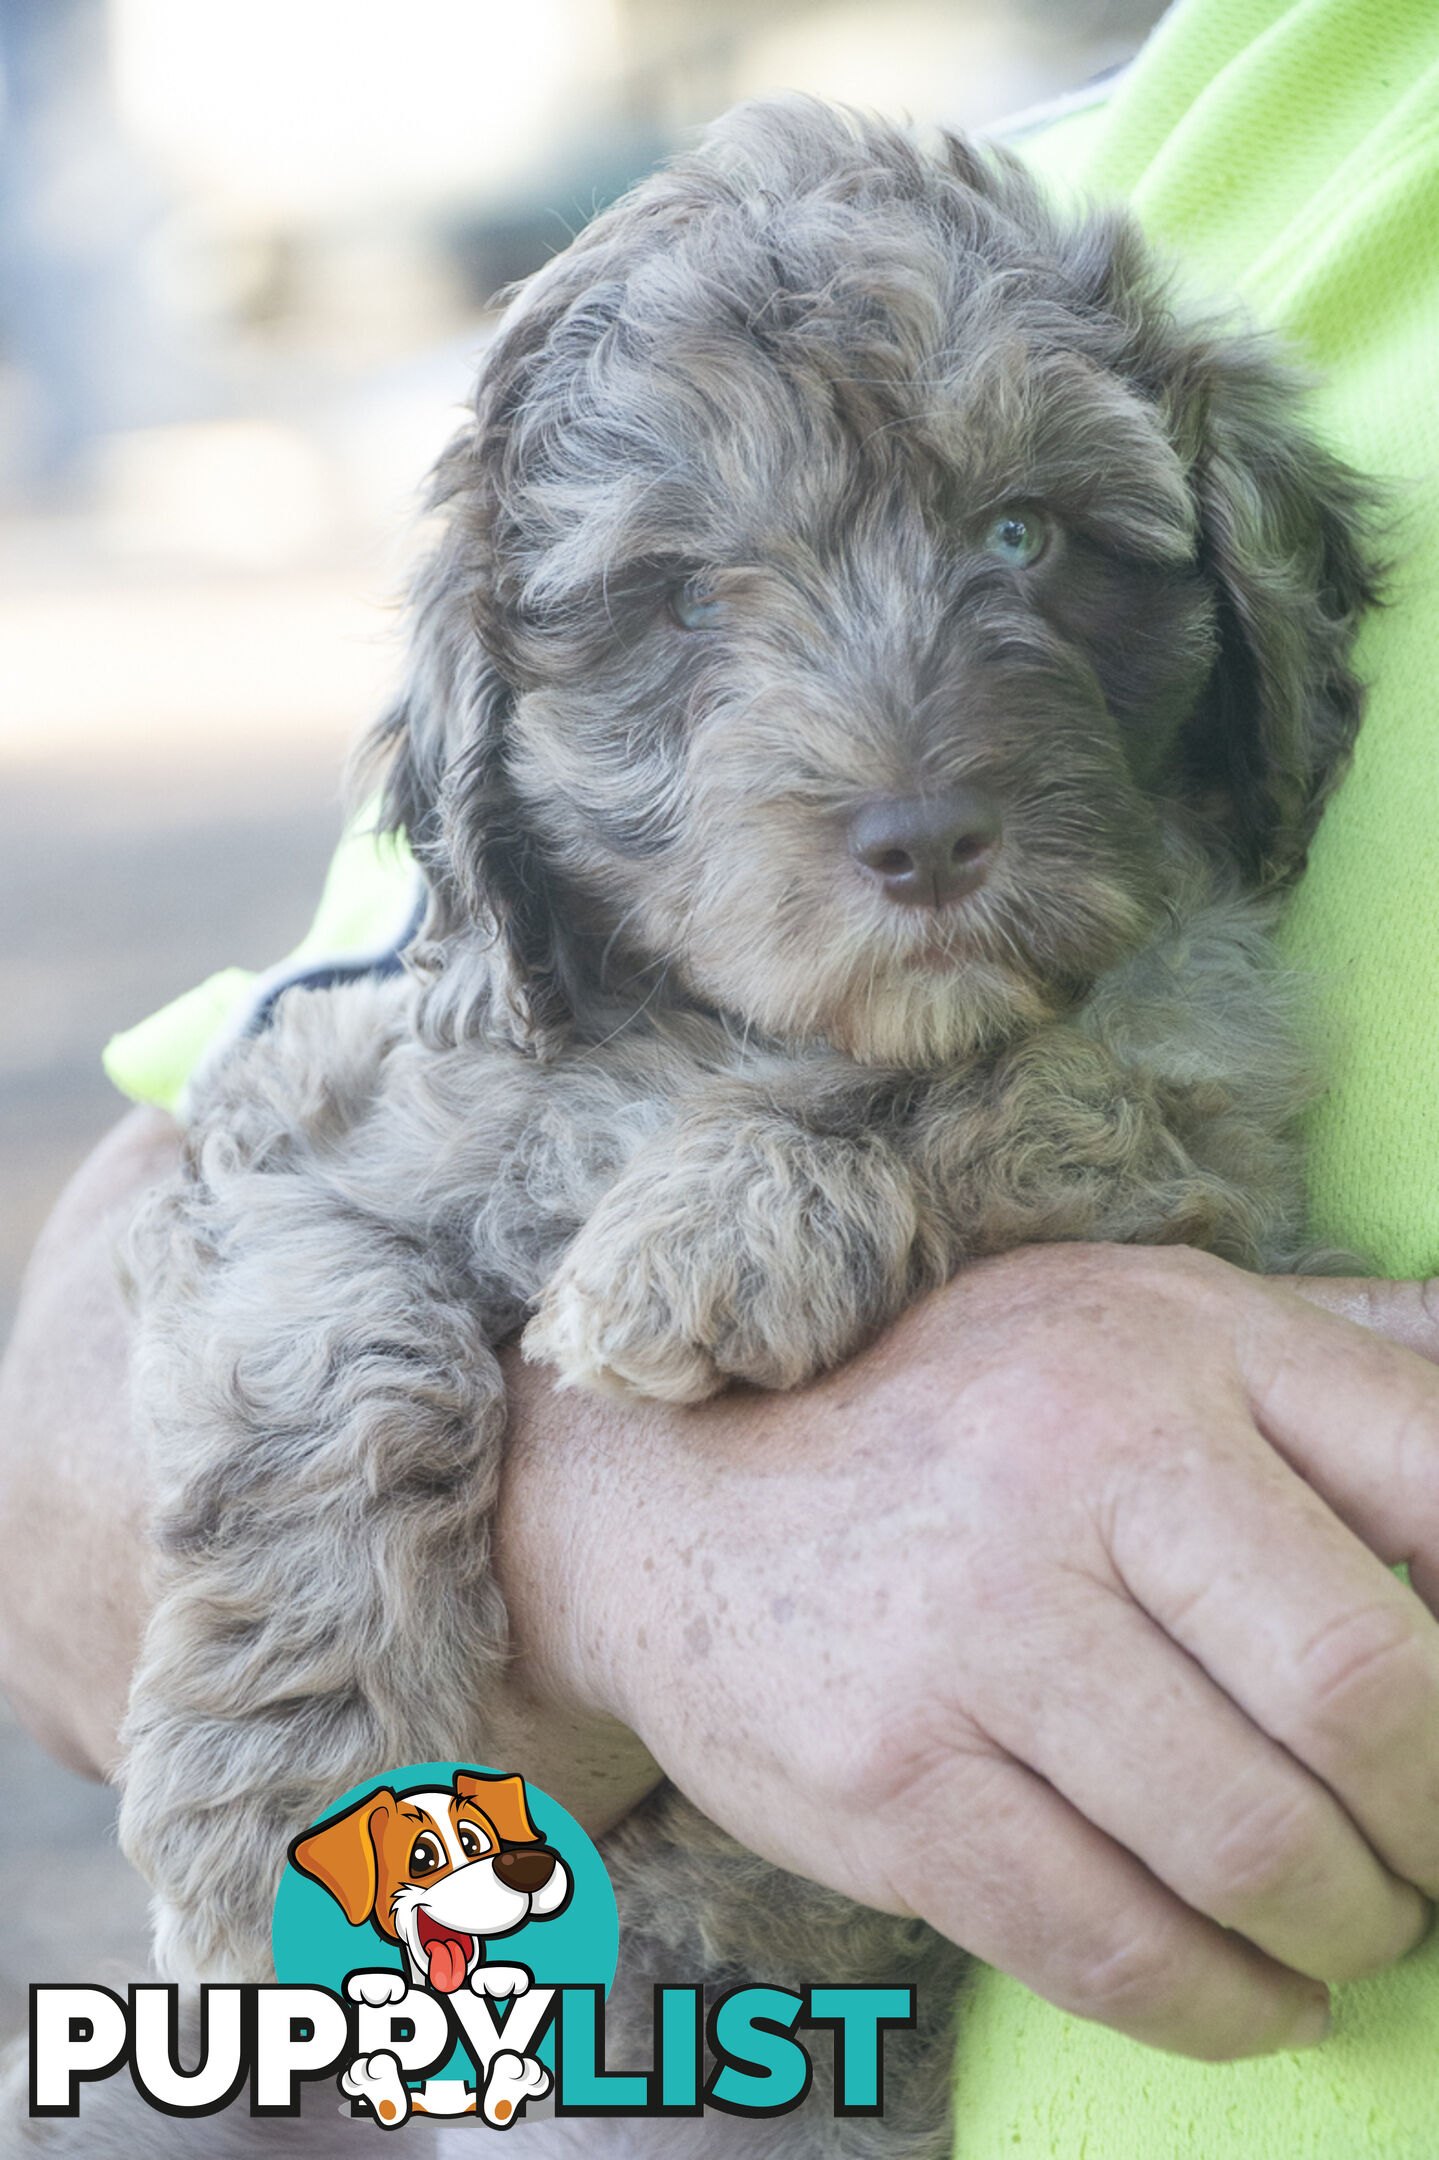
(246, 252)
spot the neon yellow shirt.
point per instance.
(1291, 152)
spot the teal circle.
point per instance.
(316, 1946)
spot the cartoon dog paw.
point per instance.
(376, 2079)
(501, 1981)
(513, 2080)
(375, 1989)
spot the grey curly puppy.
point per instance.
(881, 666)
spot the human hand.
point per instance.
(1062, 1617)
(1046, 1460)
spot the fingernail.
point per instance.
(1314, 2023)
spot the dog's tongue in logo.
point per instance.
(448, 1951)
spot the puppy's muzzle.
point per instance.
(926, 851)
(525, 1869)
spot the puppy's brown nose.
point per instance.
(926, 850)
(525, 1868)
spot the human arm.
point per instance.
(1024, 1614)
(951, 1649)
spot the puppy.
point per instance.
(882, 665)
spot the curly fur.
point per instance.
(671, 1073)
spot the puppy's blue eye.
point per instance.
(696, 605)
(1017, 537)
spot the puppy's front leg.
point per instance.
(740, 1245)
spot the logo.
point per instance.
(428, 1903)
(444, 1940)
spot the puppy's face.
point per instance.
(846, 570)
(861, 739)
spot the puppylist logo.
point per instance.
(387, 1981)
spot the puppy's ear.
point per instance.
(492, 941)
(1285, 533)
(342, 1854)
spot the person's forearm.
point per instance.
(835, 1617)
(72, 1499)
(558, 1510)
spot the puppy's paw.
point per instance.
(376, 2079)
(742, 1248)
(513, 2080)
(617, 1337)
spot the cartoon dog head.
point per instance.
(438, 1871)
